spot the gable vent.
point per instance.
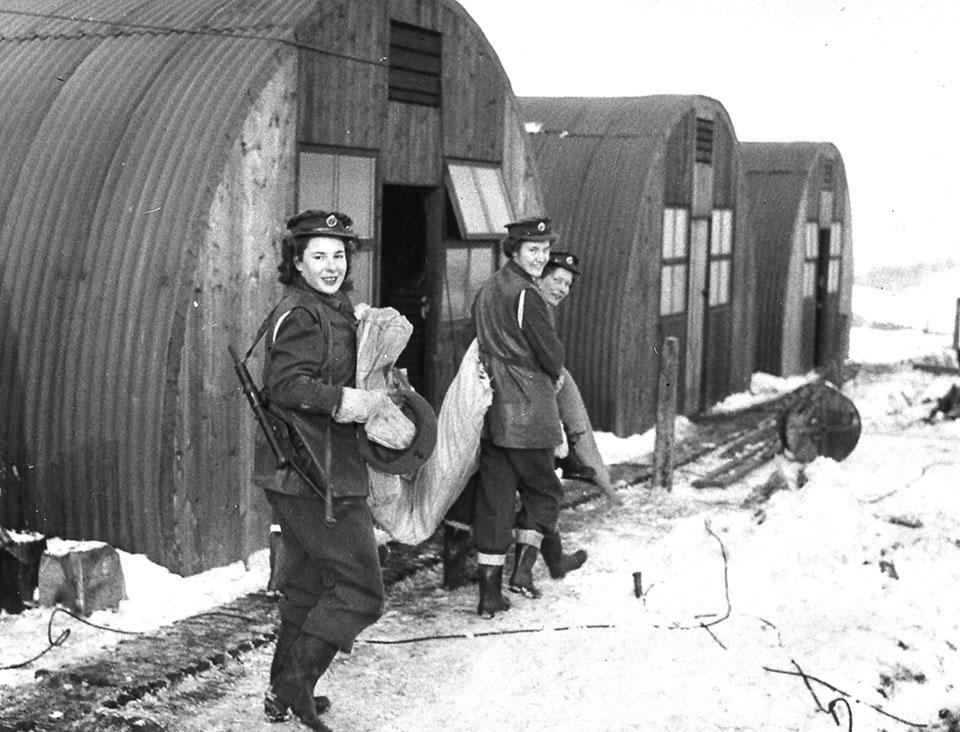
(827, 171)
(415, 65)
(703, 151)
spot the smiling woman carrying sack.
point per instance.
(331, 583)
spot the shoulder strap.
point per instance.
(261, 331)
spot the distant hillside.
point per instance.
(920, 296)
(898, 278)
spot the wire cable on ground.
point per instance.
(807, 678)
(61, 639)
(481, 634)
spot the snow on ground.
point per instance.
(928, 307)
(849, 572)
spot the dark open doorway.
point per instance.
(404, 274)
(820, 349)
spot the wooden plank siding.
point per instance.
(343, 89)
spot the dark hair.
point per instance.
(510, 245)
(291, 253)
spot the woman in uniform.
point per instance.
(331, 585)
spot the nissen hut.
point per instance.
(151, 153)
(649, 192)
(800, 212)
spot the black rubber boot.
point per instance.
(573, 469)
(557, 562)
(492, 600)
(273, 709)
(521, 581)
(456, 555)
(307, 660)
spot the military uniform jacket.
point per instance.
(523, 356)
(311, 354)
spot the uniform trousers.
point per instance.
(505, 472)
(331, 581)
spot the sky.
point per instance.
(880, 79)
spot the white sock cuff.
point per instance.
(494, 560)
(529, 536)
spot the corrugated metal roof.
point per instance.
(778, 176)
(113, 140)
(597, 158)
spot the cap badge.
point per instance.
(569, 260)
(541, 227)
(331, 221)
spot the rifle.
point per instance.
(273, 428)
(284, 435)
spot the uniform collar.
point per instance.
(517, 269)
(337, 301)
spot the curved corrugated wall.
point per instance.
(114, 139)
(601, 162)
(779, 177)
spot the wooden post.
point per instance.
(666, 414)
(956, 332)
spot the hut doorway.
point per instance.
(408, 231)
(821, 345)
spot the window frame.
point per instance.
(674, 261)
(479, 200)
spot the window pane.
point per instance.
(480, 199)
(342, 183)
(723, 288)
(356, 193)
(317, 181)
(833, 281)
(682, 233)
(812, 232)
(458, 270)
(483, 263)
(494, 195)
(668, 234)
(836, 239)
(723, 228)
(467, 268)
(467, 196)
(716, 232)
(680, 288)
(666, 290)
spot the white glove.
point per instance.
(359, 405)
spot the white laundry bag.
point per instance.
(410, 507)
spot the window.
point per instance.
(479, 199)
(332, 181)
(836, 253)
(721, 256)
(416, 56)
(466, 271)
(336, 182)
(811, 246)
(673, 273)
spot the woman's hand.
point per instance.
(359, 405)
